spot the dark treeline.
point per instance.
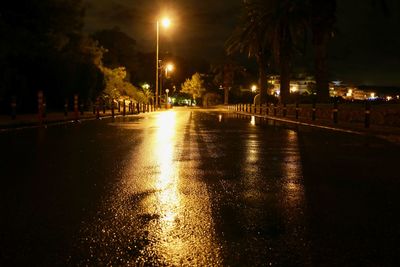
(42, 48)
(275, 32)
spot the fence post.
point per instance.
(44, 112)
(76, 110)
(112, 108)
(335, 111)
(367, 113)
(124, 109)
(82, 108)
(66, 107)
(98, 108)
(314, 110)
(40, 106)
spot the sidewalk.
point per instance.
(391, 134)
(32, 120)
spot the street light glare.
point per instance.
(166, 22)
(170, 67)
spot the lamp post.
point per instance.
(167, 68)
(166, 101)
(165, 23)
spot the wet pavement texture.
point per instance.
(197, 188)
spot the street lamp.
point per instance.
(165, 23)
(167, 91)
(254, 88)
(168, 68)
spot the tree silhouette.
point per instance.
(272, 31)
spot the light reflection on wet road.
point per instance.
(198, 188)
(164, 207)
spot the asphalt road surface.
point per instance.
(192, 187)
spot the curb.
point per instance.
(391, 138)
(25, 126)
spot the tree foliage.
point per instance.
(194, 86)
(117, 87)
(271, 31)
(42, 48)
(230, 75)
(274, 29)
(120, 50)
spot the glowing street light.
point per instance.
(167, 91)
(166, 22)
(254, 88)
(168, 68)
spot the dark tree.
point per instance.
(323, 19)
(121, 50)
(272, 31)
(42, 48)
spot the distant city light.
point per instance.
(373, 96)
(349, 93)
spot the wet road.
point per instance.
(197, 188)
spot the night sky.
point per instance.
(365, 50)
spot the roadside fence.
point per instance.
(366, 113)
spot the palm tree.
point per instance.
(227, 73)
(322, 21)
(249, 38)
(272, 31)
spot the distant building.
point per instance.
(301, 85)
(305, 85)
(352, 92)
